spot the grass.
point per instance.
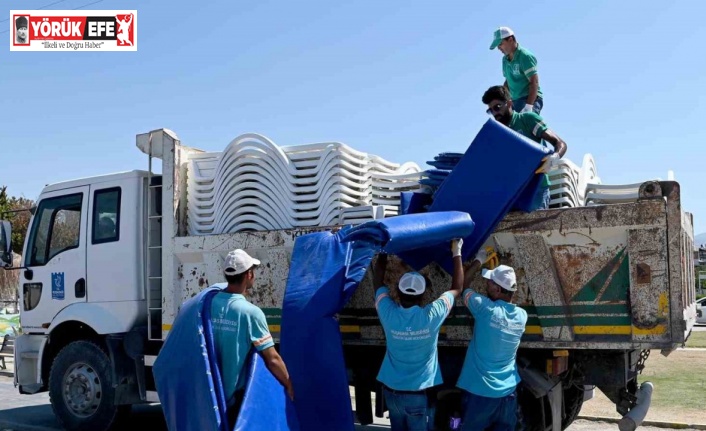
(696, 339)
(679, 388)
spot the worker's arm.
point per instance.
(554, 139)
(506, 87)
(379, 271)
(482, 257)
(457, 276)
(470, 272)
(478, 304)
(276, 365)
(533, 89)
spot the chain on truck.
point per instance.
(107, 262)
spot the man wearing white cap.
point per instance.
(411, 363)
(239, 326)
(520, 71)
(489, 375)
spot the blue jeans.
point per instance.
(546, 198)
(481, 413)
(520, 103)
(408, 412)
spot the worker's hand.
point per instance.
(547, 163)
(527, 108)
(456, 246)
(481, 256)
(488, 257)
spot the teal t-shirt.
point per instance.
(489, 369)
(518, 72)
(238, 326)
(411, 362)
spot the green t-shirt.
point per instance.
(531, 125)
(518, 72)
(528, 124)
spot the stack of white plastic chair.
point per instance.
(600, 194)
(589, 175)
(200, 192)
(568, 182)
(362, 214)
(389, 180)
(256, 185)
(564, 179)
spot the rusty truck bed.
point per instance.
(600, 277)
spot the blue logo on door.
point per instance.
(57, 285)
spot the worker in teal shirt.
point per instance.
(532, 126)
(520, 71)
(489, 375)
(238, 327)
(411, 364)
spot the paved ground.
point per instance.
(33, 413)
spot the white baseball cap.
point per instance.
(500, 34)
(412, 283)
(503, 275)
(237, 262)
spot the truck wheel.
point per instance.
(573, 400)
(81, 388)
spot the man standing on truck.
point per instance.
(239, 326)
(489, 375)
(411, 364)
(520, 71)
(530, 125)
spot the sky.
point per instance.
(400, 79)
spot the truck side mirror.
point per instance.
(5, 244)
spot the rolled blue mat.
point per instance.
(263, 391)
(323, 274)
(430, 182)
(450, 155)
(414, 202)
(495, 169)
(532, 197)
(442, 164)
(185, 366)
(413, 232)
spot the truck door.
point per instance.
(55, 257)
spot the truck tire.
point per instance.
(81, 388)
(533, 411)
(573, 400)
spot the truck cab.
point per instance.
(82, 279)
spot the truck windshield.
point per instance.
(56, 228)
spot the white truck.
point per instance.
(108, 261)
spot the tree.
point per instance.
(18, 217)
(9, 280)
